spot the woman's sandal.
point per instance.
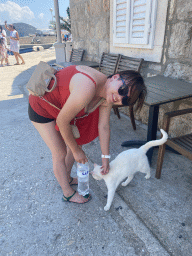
(71, 182)
(67, 199)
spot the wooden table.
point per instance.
(161, 90)
(92, 64)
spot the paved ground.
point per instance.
(148, 217)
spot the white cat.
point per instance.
(125, 165)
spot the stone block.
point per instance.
(180, 125)
(103, 47)
(172, 8)
(80, 44)
(162, 110)
(92, 30)
(92, 47)
(79, 11)
(180, 41)
(156, 67)
(106, 5)
(95, 8)
(143, 114)
(179, 71)
(101, 29)
(82, 29)
(184, 9)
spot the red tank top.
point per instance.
(88, 126)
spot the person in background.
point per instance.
(3, 47)
(14, 43)
(65, 37)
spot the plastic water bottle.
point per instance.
(83, 178)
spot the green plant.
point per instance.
(65, 22)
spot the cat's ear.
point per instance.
(95, 165)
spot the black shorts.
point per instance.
(33, 116)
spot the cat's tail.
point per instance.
(154, 143)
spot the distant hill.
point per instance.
(23, 29)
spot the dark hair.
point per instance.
(1, 28)
(12, 26)
(134, 81)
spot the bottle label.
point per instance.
(83, 173)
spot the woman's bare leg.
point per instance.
(19, 55)
(58, 149)
(16, 57)
(2, 61)
(7, 61)
(69, 160)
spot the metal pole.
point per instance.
(58, 28)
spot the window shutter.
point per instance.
(140, 21)
(121, 11)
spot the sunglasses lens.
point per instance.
(123, 91)
(125, 101)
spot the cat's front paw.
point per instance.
(148, 176)
(106, 208)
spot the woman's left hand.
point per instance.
(105, 166)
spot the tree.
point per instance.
(65, 22)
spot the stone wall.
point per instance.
(90, 30)
(90, 26)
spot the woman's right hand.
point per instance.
(80, 156)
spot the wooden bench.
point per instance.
(108, 63)
(76, 55)
(182, 144)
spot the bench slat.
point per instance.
(77, 55)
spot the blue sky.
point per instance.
(34, 12)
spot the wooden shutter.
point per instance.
(140, 21)
(121, 16)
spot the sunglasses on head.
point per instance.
(123, 91)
